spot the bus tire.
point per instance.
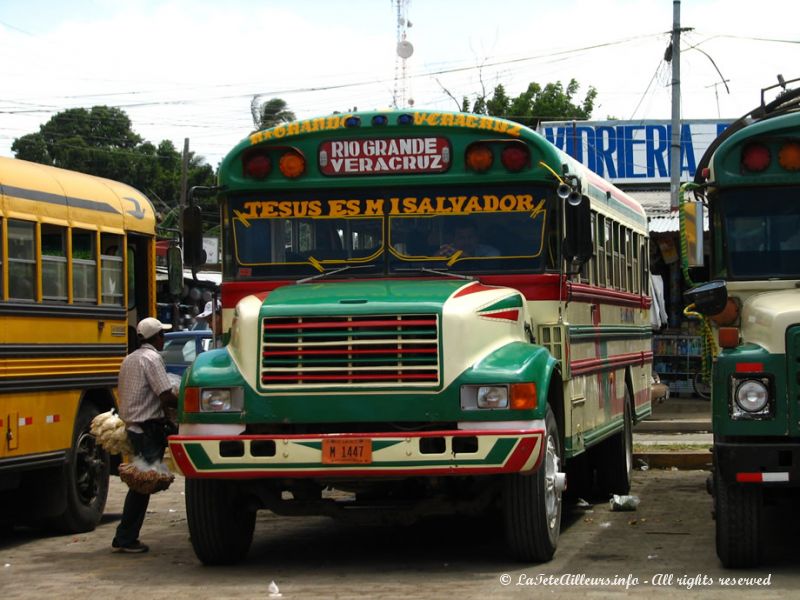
(739, 515)
(220, 524)
(85, 477)
(532, 503)
(615, 459)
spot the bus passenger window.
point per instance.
(84, 266)
(21, 260)
(112, 284)
(54, 263)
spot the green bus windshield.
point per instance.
(461, 229)
(761, 232)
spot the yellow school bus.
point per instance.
(77, 271)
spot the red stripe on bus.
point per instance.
(593, 365)
(748, 477)
(348, 324)
(506, 315)
(354, 377)
(473, 288)
(751, 367)
(345, 351)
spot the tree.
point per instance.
(270, 113)
(536, 103)
(100, 141)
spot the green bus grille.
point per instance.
(339, 350)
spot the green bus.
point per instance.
(429, 313)
(750, 180)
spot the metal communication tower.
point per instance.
(404, 51)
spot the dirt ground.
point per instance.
(664, 548)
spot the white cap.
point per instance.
(208, 309)
(148, 327)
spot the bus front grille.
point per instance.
(383, 350)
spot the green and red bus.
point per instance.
(430, 313)
(750, 180)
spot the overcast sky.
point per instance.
(189, 68)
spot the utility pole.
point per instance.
(184, 174)
(675, 144)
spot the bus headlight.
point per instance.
(751, 398)
(221, 400)
(495, 396)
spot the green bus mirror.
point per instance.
(175, 270)
(193, 253)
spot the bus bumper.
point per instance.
(407, 454)
(759, 462)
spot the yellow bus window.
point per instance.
(21, 260)
(54, 263)
(84, 266)
(112, 283)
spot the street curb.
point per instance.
(681, 460)
(673, 426)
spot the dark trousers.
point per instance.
(149, 446)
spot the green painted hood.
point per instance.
(366, 297)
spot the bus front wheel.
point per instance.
(532, 503)
(738, 509)
(220, 524)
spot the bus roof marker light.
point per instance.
(515, 157)
(479, 158)
(352, 121)
(405, 119)
(292, 164)
(257, 166)
(755, 157)
(789, 156)
(380, 120)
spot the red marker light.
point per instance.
(515, 157)
(257, 166)
(755, 157)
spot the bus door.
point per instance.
(140, 282)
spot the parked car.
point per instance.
(181, 348)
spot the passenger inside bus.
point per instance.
(467, 240)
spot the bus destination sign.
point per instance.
(381, 156)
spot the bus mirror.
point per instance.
(694, 215)
(175, 270)
(708, 298)
(193, 252)
(578, 242)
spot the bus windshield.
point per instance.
(762, 234)
(303, 233)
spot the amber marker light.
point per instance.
(728, 337)
(479, 158)
(191, 400)
(292, 164)
(523, 396)
(789, 156)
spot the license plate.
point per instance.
(349, 451)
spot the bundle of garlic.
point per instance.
(109, 430)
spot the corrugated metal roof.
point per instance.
(669, 223)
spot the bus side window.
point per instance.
(84, 266)
(21, 260)
(54, 262)
(112, 283)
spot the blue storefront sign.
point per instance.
(633, 152)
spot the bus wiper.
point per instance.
(334, 272)
(435, 272)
